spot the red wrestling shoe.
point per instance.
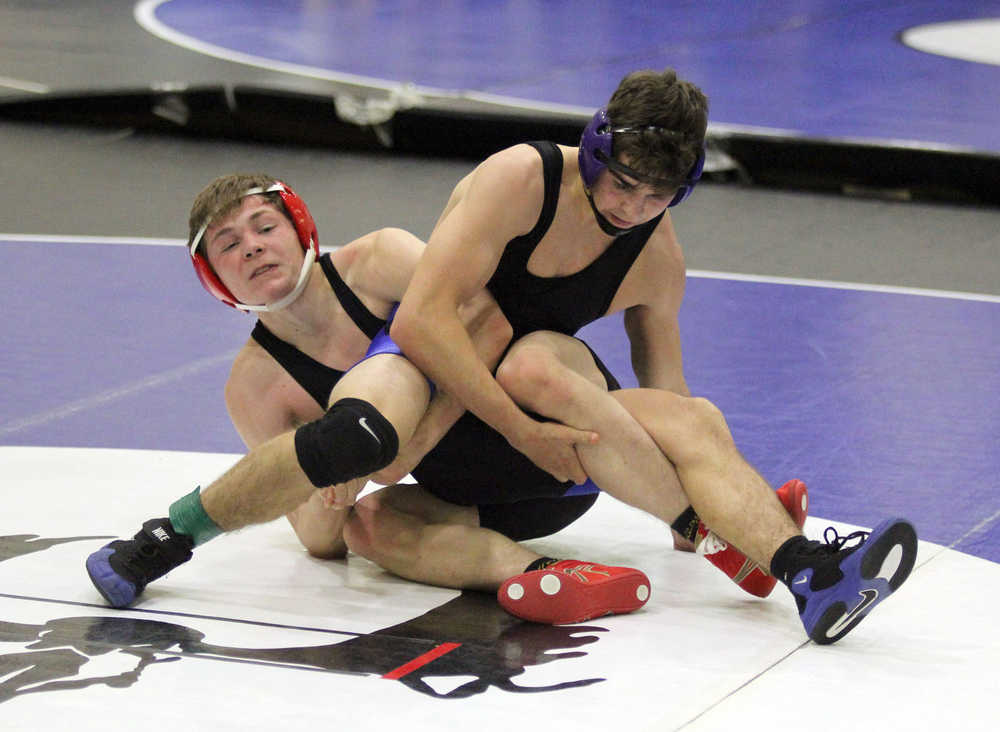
(571, 592)
(746, 573)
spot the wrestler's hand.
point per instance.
(552, 447)
(343, 495)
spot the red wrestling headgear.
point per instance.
(305, 227)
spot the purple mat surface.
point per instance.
(818, 68)
(883, 403)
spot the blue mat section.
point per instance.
(883, 403)
(819, 68)
(114, 346)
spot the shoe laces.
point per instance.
(835, 542)
(824, 559)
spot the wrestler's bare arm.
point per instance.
(491, 334)
(460, 258)
(651, 296)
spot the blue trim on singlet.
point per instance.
(583, 489)
(383, 343)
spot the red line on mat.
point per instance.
(421, 660)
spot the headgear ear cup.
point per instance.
(299, 213)
(211, 282)
(596, 137)
(693, 176)
(302, 220)
(596, 142)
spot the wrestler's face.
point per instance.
(255, 251)
(626, 201)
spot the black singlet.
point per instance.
(472, 465)
(316, 378)
(562, 304)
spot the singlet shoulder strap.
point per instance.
(369, 324)
(315, 377)
(552, 167)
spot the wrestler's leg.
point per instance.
(725, 491)
(270, 482)
(555, 376)
(389, 393)
(319, 529)
(415, 535)
(826, 578)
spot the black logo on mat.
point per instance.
(470, 636)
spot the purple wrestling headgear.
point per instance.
(595, 154)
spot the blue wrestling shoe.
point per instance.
(121, 570)
(835, 588)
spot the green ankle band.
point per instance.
(188, 517)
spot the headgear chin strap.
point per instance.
(595, 155)
(606, 226)
(305, 228)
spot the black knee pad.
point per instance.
(350, 441)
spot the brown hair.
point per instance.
(659, 100)
(223, 195)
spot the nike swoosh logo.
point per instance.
(364, 423)
(800, 580)
(868, 597)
